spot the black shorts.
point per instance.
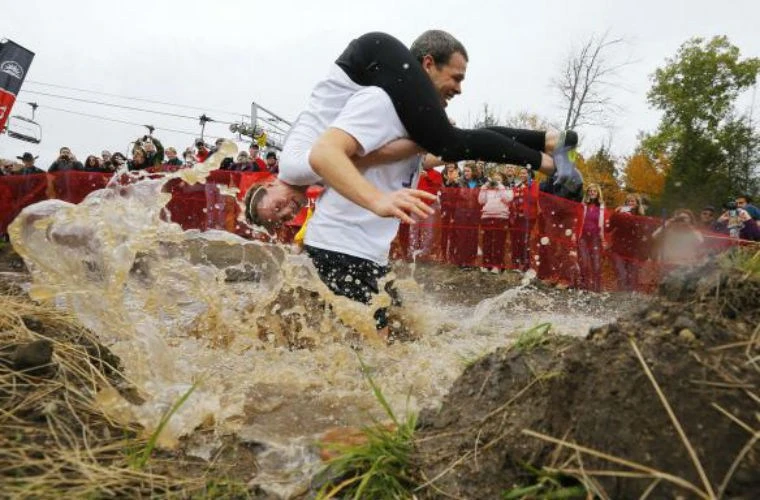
(353, 277)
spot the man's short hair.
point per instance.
(271, 154)
(253, 197)
(438, 44)
(254, 145)
(747, 197)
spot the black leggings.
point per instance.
(378, 59)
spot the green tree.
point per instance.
(712, 151)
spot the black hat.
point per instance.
(27, 157)
(271, 154)
(709, 208)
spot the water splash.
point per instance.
(272, 351)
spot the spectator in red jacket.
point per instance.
(203, 151)
(253, 151)
(522, 218)
(421, 234)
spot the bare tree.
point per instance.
(588, 76)
(487, 118)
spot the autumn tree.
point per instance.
(645, 175)
(713, 150)
(600, 168)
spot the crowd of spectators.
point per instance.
(148, 153)
(491, 216)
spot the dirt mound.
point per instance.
(551, 413)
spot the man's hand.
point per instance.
(402, 204)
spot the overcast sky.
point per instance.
(222, 55)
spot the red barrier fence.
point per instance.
(543, 232)
(539, 232)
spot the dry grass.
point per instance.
(53, 439)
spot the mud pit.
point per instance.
(699, 337)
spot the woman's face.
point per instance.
(509, 171)
(139, 157)
(523, 174)
(592, 193)
(631, 202)
(468, 173)
(92, 161)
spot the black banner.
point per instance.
(14, 64)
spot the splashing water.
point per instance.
(272, 352)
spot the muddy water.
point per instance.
(265, 349)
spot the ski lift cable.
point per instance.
(120, 106)
(115, 120)
(153, 101)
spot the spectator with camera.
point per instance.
(153, 149)
(737, 223)
(66, 161)
(495, 199)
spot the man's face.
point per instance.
(171, 154)
(447, 78)
(65, 153)
(706, 215)
(271, 161)
(281, 203)
(741, 202)
(523, 174)
(254, 152)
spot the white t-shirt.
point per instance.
(325, 104)
(339, 224)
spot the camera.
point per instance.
(730, 205)
(493, 184)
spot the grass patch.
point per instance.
(547, 486)
(55, 440)
(378, 467)
(532, 338)
(138, 457)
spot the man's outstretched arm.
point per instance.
(330, 158)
